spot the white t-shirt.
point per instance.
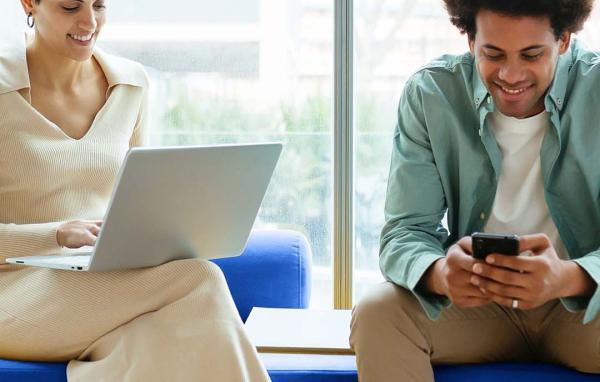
(520, 205)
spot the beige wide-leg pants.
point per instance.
(174, 322)
(395, 340)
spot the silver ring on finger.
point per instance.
(515, 303)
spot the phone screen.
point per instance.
(486, 243)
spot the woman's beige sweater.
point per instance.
(46, 177)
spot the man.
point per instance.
(504, 139)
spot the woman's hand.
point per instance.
(78, 233)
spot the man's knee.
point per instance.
(585, 356)
(385, 305)
(385, 297)
(586, 359)
(571, 343)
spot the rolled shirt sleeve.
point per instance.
(591, 304)
(412, 237)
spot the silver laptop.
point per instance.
(173, 203)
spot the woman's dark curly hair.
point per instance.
(565, 15)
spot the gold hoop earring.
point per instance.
(30, 20)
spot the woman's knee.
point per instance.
(201, 270)
(192, 279)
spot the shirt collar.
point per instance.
(556, 91)
(14, 74)
(558, 87)
(480, 92)
(120, 71)
(13, 69)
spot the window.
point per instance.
(392, 40)
(263, 70)
(260, 73)
(240, 71)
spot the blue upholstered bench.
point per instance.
(342, 368)
(274, 271)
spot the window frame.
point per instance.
(343, 149)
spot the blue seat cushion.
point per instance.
(272, 272)
(20, 371)
(310, 367)
(342, 368)
(333, 368)
(500, 372)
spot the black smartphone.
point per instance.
(486, 243)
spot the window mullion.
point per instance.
(343, 228)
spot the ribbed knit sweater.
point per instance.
(47, 177)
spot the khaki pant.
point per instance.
(395, 340)
(174, 322)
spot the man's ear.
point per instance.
(564, 42)
(472, 46)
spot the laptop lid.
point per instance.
(180, 202)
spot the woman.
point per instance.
(68, 115)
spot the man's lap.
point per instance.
(493, 333)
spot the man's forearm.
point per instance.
(577, 281)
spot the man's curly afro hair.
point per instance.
(564, 15)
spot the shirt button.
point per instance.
(489, 100)
(480, 132)
(482, 216)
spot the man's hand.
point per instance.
(451, 276)
(78, 233)
(531, 280)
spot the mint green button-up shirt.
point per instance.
(446, 159)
